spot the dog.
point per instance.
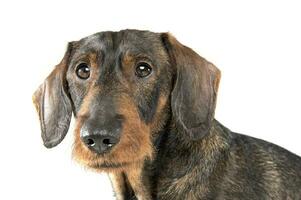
(144, 108)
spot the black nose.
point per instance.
(101, 130)
(100, 143)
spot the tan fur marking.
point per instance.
(118, 184)
(135, 138)
(135, 178)
(127, 60)
(158, 122)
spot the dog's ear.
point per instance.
(193, 97)
(53, 104)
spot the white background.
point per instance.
(256, 45)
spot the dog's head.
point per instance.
(123, 87)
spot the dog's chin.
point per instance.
(108, 166)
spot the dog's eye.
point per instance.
(83, 71)
(143, 70)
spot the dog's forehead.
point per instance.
(125, 40)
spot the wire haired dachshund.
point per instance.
(144, 109)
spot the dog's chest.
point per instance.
(186, 187)
(181, 178)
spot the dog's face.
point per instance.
(119, 84)
(123, 88)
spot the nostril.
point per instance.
(90, 142)
(107, 142)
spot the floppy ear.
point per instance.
(53, 104)
(193, 97)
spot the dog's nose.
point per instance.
(101, 131)
(100, 143)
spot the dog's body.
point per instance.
(144, 107)
(226, 165)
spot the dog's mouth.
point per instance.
(102, 162)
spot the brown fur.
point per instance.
(157, 124)
(140, 187)
(132, 147)
(166, 142)
(119, 184)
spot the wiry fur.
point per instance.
(170, 147)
